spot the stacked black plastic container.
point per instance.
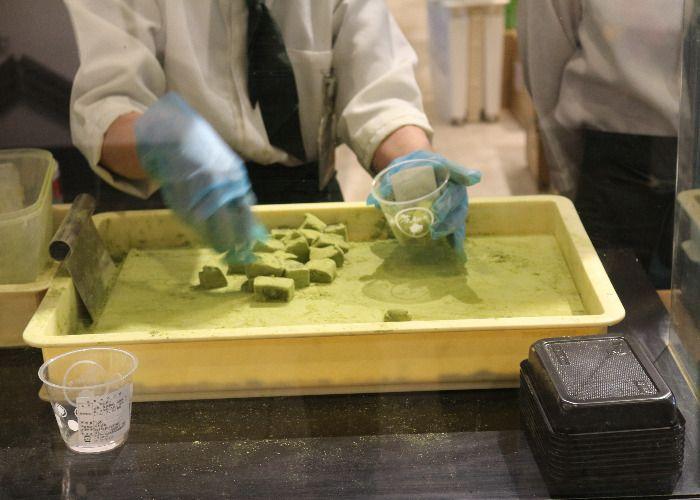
(599, 418)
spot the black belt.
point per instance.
(644, 158)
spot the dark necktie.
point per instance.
(271, 81)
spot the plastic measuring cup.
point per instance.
(410, 219)
(90, 392)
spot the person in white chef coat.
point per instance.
(247, 100)
(349, 53)
(605, 81)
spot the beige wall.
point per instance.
(412, 17)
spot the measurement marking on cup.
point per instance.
(60, 410)
(104, 418)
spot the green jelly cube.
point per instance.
(267, 288)
(266, 265)
(297, 272)
(247, 286)
(299, 247)
(312, 222)
(279, 234)
(292, 235)
(397, 315)
(292, 264)
(333, 252)
(238, 268)
(311, 235)
(339, 229)
(329, 240)
(271, 245)
(282, 255)
(211, 277)
(322, 270)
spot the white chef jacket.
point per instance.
(133, 51)
(610, 65)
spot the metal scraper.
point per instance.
(78, 245)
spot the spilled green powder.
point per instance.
(506, 276)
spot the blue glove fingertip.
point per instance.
(456, 241)
(473, 177)
(459, 249)
(462, 175)
(372, 201)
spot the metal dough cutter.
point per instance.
(78, 245)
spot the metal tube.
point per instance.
(64, 240)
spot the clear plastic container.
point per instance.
(90, 392)
(410, 218)
(25, 213)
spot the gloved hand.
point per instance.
(202, 180)
(451, 208)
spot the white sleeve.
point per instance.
(377, 89)
(119, 73)
(547, 41)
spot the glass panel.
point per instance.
(685, 332)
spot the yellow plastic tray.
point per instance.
(337, 358)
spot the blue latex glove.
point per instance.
(202, 180)
(450, 208)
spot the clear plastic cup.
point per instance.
(90, 392)
(410, 219)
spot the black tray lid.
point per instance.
(659, 446)
(599, 383)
